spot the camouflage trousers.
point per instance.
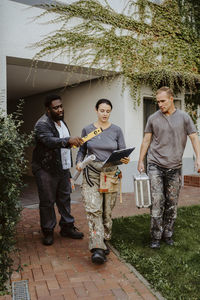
(165, 187)
(98, 206)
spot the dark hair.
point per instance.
(100, 101)
(51, 98)
(167, 90)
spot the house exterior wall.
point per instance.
(19, 30)
(79, 104)
(17, 33)
(3, 85)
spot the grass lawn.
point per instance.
(174, 271)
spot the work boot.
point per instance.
(98, 256)
(71, 231)
(155, 244)
(48, 238)
(169, 241)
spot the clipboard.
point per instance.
(114, 158)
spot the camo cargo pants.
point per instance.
(165, 188)
(98, 207)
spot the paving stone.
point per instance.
(41, 289)
(81, 292)
(64, 271)
(120, 294)
(52, 284)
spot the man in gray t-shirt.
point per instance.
(165, 139)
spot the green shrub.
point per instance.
(12, 167)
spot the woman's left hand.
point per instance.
(125, 160)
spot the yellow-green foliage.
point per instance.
(152, 44)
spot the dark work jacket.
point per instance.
(47, 154)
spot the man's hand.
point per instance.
(143, 150)
(140, 166)
(196, 146)
(76, 141)
(125, 160)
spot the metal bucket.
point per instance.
(142, 190)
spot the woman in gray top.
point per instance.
(99, 205)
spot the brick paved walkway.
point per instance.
(65, 271)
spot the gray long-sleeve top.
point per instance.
(103, 144)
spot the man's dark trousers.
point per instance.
(54, 188)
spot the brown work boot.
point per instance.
(71, 231)
(48, 238)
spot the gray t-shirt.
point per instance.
(103, 144)
(169, 136)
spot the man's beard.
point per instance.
(59, 118)
(56, 118)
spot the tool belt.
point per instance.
(109, 181)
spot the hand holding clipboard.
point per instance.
(116, 156)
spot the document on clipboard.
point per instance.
(114, 158)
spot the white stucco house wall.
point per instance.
(17, 80)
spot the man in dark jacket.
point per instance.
(51, 165)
